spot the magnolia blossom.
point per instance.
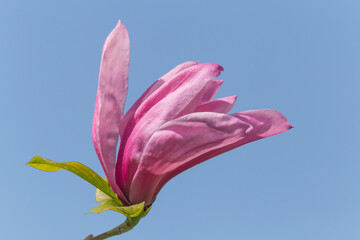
(173, 126)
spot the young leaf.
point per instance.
(111, 204)
(77, 168)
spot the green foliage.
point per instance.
(103, 194)
(129, 211)
(77, 168)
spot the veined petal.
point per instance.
(193, 78)
(180, 92)
(150, 97)
(194, 138)
(211, 89)
(177, 69)
(110, 100)
(222, 105)
(129, 116)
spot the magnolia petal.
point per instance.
(194, 138)
(194, 78)
(129, 116)
(178, 69)
(110, 100)
(184, 88)
(197, 101)
(150, 97)
(211, 89)
(222, 105)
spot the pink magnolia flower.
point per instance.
(173, 126)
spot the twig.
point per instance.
(122, 228)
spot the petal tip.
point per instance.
(118, 25)
(215, 68)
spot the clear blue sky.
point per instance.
(301, 58)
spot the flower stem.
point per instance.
(122, 228)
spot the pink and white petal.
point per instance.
(110, 100)
(182, 90)
(222, 105)
(194, 138)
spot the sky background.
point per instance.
(301, 58)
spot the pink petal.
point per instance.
(177, 69)
(194, 138)
(110, 100)
(222, 105)
(150, 97)
(211, 89)
(191, 77)
(181, 92)
(129, 116)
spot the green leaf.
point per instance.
(111, 204)
(77, 168)
(106, 205)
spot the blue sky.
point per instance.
(301, 58)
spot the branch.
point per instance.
(122, 228)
